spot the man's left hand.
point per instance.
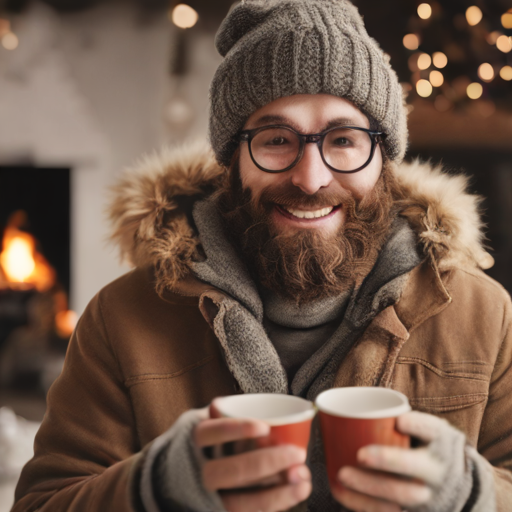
(390, 479)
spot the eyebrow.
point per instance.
(277, 119)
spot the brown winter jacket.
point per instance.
(145, 349)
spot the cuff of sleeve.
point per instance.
(171, 477)
(483, 492)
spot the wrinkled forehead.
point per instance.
(309, 113)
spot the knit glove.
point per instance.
(171, 478)
(443, 474)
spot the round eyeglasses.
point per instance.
(344, 149)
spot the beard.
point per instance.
(304, 265)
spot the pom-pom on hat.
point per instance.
(278, 48)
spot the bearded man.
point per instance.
(300, 255)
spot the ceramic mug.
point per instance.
(353, 417)
(289, 417)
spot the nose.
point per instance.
(311, 174)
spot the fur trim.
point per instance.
(150, 223)
(445, 216)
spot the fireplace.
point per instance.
(35, 322)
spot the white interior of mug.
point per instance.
(273, 408)
(363, 402)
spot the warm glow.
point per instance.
(506, 73)
(436, 78)
(20, 262)
(424, 61)
(424, 11)
(17, 260)
(440, 60)
(411, 41)
(5, 27)
(474, 15)
(183, 16)
(424, 88)
(10, 41)
(475, 90)
(506, 20)
(486, 72)
(504, 44)
(65, 323)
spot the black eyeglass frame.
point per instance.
(312, 138)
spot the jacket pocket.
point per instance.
(454, 390)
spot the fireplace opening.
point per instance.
(35, 320)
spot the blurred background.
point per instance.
(86, 87)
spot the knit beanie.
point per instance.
(278, 48)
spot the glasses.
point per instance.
(344, 149)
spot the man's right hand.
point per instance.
(253, 468)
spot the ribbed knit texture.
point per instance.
(278, 48)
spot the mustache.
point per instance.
(288, 194)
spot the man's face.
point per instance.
(301, 258)
(311, 179)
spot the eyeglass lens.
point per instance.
(344, 149)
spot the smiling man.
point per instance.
(300, 254)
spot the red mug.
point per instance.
(351, 418)
(289, 416)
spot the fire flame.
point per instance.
(22, 265)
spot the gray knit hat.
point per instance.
(277, 48)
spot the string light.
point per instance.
(436, 78)
(504, 44)
(424, 61)
(10, 41)
(184, 16)
(506, 20)
(424, 88)
(411, 41)
(474, 15)
(424, 11)
(474, 90)
(486, 72)
(493, 37)
(506, 73)
(440, 60)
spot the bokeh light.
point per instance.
(506, 20)
(504, 44)
(411, 41)
(440, 60)
(424, 11)
(486, 72)
(493, 37)
(424, 88)
(506, 73)
(10, 41)
(474, 15)
(436, 78)
(184, 16)
(424, 61)
(474, 90)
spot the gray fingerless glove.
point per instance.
(466, 483)
(172, 472)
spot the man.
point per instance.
(303, 256)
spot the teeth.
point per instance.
(302, 214)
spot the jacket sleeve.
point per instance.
(86, 453)
(495, 440)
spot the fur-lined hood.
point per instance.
(150, 204)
